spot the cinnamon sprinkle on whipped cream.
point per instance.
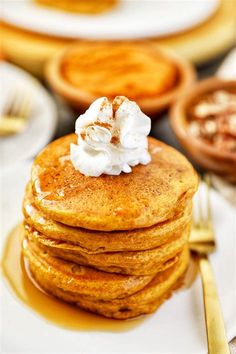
(112, 138)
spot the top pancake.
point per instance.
(148, 195)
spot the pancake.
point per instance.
(114, 245)
(92, 242)
(80, 279)
(89, 7)
(149, 195)
(147, 300)
(131, 263)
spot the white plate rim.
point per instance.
(99, 27)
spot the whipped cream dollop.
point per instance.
(112, 138)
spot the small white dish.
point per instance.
(42, 121)
(128, 20)
(177, 327)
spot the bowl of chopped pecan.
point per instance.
(204, 121)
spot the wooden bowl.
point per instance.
(81, 100)
(206, 155)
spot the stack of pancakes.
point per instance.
(114, 245)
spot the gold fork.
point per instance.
(202, 242)
(15, 113)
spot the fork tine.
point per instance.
(18, 99)
(17, 105)
(12, 103)
(7, 105)
(197, 218)
(24, 108)
(207, 181)
(200, 211)
(195, 214)
(202, 239)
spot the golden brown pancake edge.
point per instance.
(149, 195)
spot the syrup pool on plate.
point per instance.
(17, 275)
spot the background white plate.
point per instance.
(43, 118)
(176, 328)
(129, 19)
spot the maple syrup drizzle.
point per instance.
(60, 313)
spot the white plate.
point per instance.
(176, 328)
(129, 19)
(42, 122)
